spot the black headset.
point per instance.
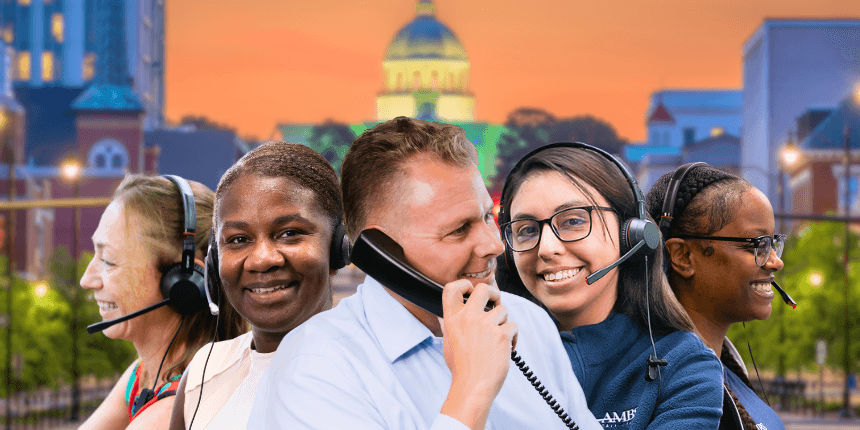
(338, 259)
(672, 194)
(183, 282)
(639, 236)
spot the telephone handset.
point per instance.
(379, 256)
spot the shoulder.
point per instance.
(692, 365)
(223, 355)
(525, 312)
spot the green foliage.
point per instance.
(42, 315)
(331, 140)
(530, 128)
(787, 339)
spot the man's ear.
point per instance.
(680, 257)
(199, 262)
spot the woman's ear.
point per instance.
(679, 257)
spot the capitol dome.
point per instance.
(425, 37)
(425, 72)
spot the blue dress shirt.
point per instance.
(370, 364)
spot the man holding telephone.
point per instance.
(378, 361)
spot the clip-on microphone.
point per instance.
(785, 297)
(97, 327)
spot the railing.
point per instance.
(51, 409)
(784, 395)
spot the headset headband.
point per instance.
(671, 195)
(634, 185)
(190, 221)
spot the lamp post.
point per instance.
(846, 396)
(71, 171)
(789, 155)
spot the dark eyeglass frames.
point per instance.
(569, 225)
(762, 244)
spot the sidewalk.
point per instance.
(802, 422)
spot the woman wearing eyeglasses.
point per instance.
(563, 211)
(722, 254)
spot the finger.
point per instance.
(452, 295)
(479, 297)
(498, 315)
(494, 295)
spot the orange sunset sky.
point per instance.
(252, 64)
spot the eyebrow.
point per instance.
(559, 208)
(283, 219)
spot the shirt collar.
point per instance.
(395, 328)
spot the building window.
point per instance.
(108, 149)
(689, 136)
(47, 66)
(100, 163)
(23, 66)
(57, 27)
(9, 34)
(116, 161)
(89, 66)
(853, 195)
(717, 131)
(434, 77)
(416, 80)
(24, 2)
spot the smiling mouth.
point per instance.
(106, 306)
(763, 289)
(560, 275)
(479, 275)
(269, 290)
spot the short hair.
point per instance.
(293, 161)
(155, 202)
(376, 159)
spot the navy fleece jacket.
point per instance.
(610, 361)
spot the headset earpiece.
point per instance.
(183, 283)
(339, 252)
(635, 230)
(212, 277)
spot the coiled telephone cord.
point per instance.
(547, 397)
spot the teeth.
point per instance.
(762, 287)
(107, 306)
(561, 274)
(483, 274)
(268, 290)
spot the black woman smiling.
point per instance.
(722, 254)
(278, 215)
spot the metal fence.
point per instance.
(51, 409)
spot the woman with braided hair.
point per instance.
(721, 254)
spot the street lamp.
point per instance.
(71, 171)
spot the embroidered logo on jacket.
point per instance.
(616, 418)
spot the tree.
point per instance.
(530, 128)
(332, 140)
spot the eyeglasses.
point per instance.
(569, 225)
(762, 244)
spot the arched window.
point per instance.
(416, 80)
(108, 151)
(434, 77)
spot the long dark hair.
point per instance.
(586, 167)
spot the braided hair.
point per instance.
(707, 200)
(729, 361)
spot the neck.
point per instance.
(265, 342)
(431, 321)
(152, 348)
(711, 332)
